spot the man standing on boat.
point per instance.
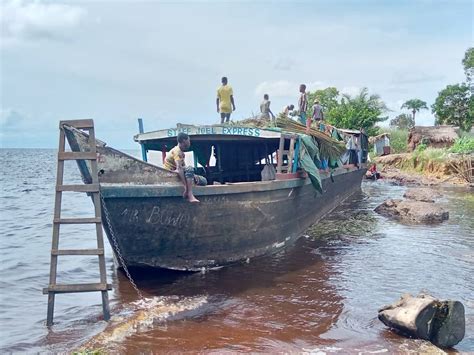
(265, 111)
(302, 104)
(175, 162)
(225, 101)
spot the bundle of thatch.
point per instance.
(433, 136)
(254, 122)
(328, 146)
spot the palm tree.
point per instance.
(415, 105)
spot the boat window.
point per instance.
(237, 161)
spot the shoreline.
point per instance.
(436, 174)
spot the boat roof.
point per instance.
(209, 132)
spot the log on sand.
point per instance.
(425, 317)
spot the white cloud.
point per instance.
(285, 88)
(351, 90)
(283, 63)
(31, 20)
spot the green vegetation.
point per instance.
(455, 103)
(403, 121)
(415, 105)
(468, 64)
(398, 139)
(423, 157)
(363, 110)
(463, 145)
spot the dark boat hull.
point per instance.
(155, 227)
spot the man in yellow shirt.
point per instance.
(225, 101)
(175, 162)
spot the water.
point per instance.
(320, 295)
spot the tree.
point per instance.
(455, 106)
(403, 121)
(415, 105)
(328, 99)
(360, 111)
(468, 63)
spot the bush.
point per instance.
(398, 140)
(464, 145)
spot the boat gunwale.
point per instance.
(130, 190)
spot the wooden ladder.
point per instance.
(289, 153)
(92, 189)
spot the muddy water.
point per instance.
(321, 294)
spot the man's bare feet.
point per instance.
(185, 193)
(193, 199)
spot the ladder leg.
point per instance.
(50, 315)
(98, 226)
(55, 241)
(105, 305)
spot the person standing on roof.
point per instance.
(287, 110)
(265, 109)
(175, 162)
(302, 104)
(225, 100)
(318, 114)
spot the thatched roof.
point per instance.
(435, 136)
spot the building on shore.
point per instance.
(381, 144)
(432, 136)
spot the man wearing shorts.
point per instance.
(302, 104)
(174, 161)
(225, 101)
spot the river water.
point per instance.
(320, 295)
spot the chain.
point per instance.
(117, 249)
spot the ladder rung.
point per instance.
(77, 288)
(77, 156)
(77, 220)
(84, 124)
(78, 188)
(99, 251)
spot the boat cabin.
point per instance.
(231, 154)
(222, 153)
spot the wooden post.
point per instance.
(140, 130)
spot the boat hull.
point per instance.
(155, 227)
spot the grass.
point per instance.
(398, 139)
(463, 145)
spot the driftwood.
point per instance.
(425, 317)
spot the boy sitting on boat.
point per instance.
(175, 162)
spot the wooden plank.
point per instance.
(99, 251)
(290, 155)
(82, 124)
(71, 288)
(77, 220)
(78, 188)
(55, 239)
(280, 153)
(77, 156)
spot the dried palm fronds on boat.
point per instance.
(254, 122)
(328, 147)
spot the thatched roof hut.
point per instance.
(433, 136)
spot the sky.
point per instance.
(115, 61)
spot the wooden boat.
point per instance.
(239, 218)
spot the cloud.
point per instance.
(32, 20)
(283, 63)
(9, 118)
(284, 88)
(351, 90)
(415, 78)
